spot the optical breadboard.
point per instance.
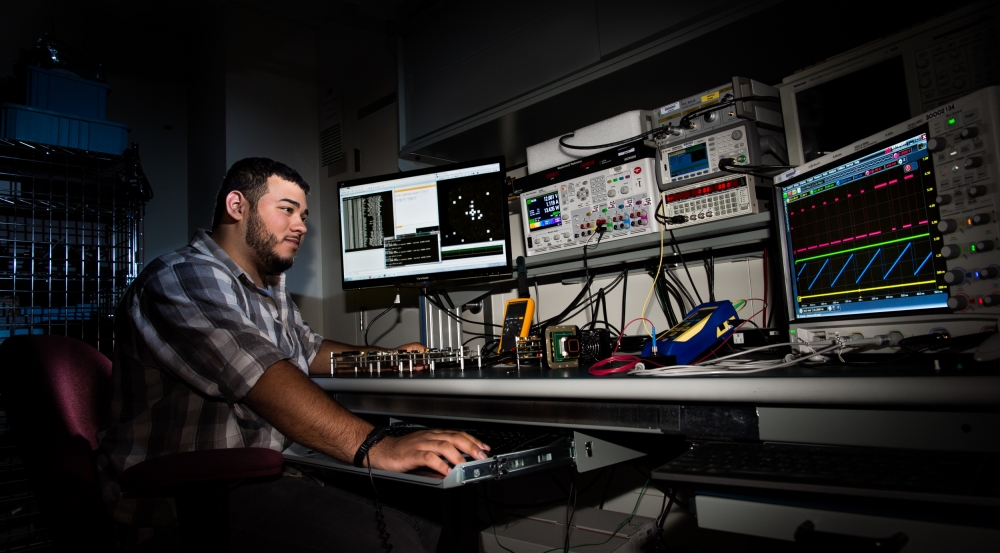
(712, 200)
(748, 132)
(549, 154)
(617, 190)
(904, 221)
(701, 329)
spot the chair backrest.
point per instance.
(57, 393)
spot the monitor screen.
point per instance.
(824, 108)
(858, 237)
(427, 225)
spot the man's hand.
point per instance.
(412, 346)
(433, 449)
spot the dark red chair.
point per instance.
(57, 394)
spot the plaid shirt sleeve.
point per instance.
(200, 330)
(310, 341)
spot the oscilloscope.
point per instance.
(898, 231)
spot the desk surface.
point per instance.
(833, 386)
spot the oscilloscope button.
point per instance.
(985, 246)
(958, 303)
(991, 300)
(976, 191)
(980, 219)
(955, 277)
(950, 251)
(969, 132)
(943, 199)
(988, 272)
(973, 162)
(947, 226)
(936, 144)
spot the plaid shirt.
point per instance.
(193, 334)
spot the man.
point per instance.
(211, 353)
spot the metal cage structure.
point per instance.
(71, 240)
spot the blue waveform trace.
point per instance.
(868, 265)
(886, 275)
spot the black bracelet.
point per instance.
(373, 438)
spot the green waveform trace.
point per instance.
(863, 247)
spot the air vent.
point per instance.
(331, 146)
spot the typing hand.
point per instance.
(431, 448)
(412, 346)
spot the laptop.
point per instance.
(512, 452)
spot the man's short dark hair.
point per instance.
(249, 176)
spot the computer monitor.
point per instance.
(858, 235)
(423, 226)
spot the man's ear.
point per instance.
(236, 205)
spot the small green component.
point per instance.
(557, 350)
(951, 121)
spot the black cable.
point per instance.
(624, 294)
(379, 517)
(677, 249)
(447, 312)
(568, 314)
(727, 101)
(569, 516)
(681, 290)
(660, 520)
(729, 165)
(562, 140)
(377, 317)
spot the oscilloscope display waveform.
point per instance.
(867, 239)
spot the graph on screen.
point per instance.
(864, 231)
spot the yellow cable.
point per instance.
(645, 304)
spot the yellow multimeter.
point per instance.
(517, 315)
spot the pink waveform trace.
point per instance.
(908, 177)
(861, 236)
(883, 185)
(907, 225)
(874, 233)
(921, 222)
(893, 181)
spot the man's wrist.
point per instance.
(374, 437)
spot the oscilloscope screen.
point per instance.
(860, 236)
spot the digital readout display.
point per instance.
(543, 211)
(690, 159)
(707, 189)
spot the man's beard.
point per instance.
(262, 243)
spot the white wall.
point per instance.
(358, 63)
(272, 110)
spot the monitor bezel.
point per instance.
(427, 278)
(825, 163)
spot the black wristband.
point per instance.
(373, 438)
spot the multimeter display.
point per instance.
(516, 322)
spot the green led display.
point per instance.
(951, 121)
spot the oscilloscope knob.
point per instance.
(950, 251)
(955, 277)
(947, 226)
(985, 246)
(936, 144)
(943, 199)
(973, 162)
(991, 300)
(976, 191)
(969, 132)
(980, 219)
(958, 303)
(988, 272)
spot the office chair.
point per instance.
(57, 394)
